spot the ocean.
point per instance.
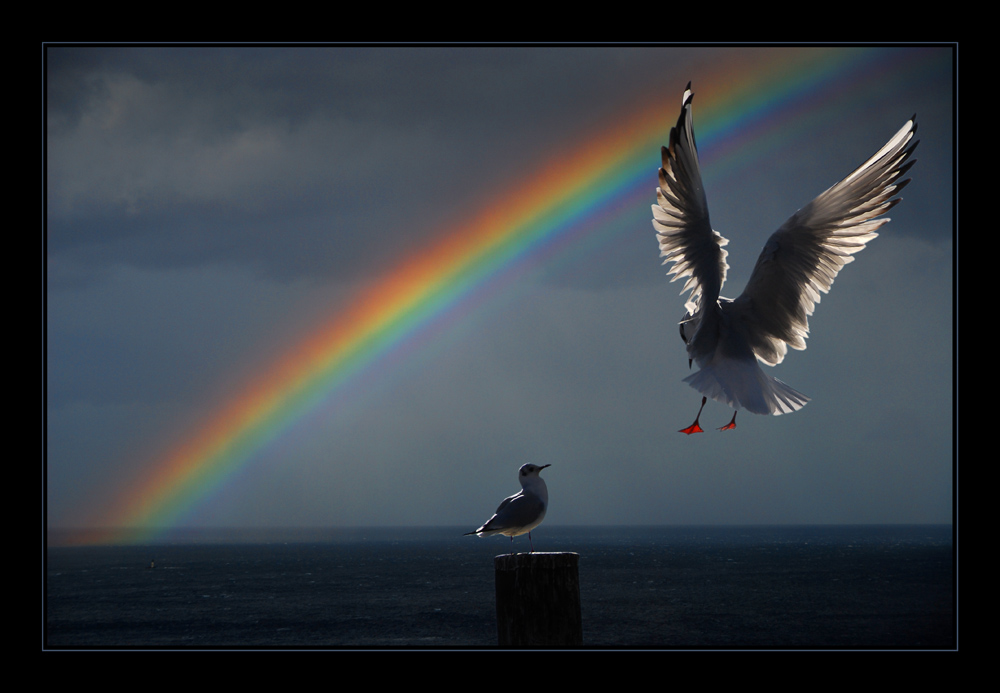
(788, 588)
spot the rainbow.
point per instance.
(539, 218)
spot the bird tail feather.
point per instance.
(743, 385)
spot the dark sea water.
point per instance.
(815, 587)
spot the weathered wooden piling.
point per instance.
(538, 600)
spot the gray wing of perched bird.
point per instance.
(514, 515)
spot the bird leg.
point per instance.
(732, 423)
(695, 428)
(530, 543)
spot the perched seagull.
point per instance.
(728, 336)
(522, 512)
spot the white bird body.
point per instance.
(522, 512)
(727, 337)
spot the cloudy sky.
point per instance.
(208, 208)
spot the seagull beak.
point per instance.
(544, 466)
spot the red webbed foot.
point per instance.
(731, 424)
(695, 428)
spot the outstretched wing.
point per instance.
(680, 217)
(802, 258)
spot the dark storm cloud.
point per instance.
(170, 157)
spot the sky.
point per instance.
(349, 286)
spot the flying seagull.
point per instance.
(522, 512)
(727, 337)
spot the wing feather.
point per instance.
(517, 511)
(680, 217)
(801, 259)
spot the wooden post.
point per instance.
(538, 600)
